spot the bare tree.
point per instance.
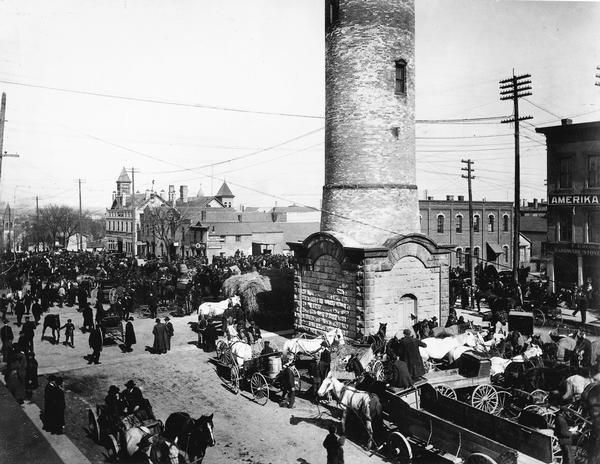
(164, 222)
(56, 223)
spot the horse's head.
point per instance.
(470, 339)
(382, 328)
(235, 300)
(326, 385)
(201, 436)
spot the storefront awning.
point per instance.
(493, 250)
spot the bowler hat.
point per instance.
(130, 383)
(157, 319)
(113, 389)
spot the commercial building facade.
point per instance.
(572, 248)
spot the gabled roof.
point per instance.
(224, 191)
(124, 177)
(198, 202)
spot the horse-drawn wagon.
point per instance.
(259, 373)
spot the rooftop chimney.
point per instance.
(449, 197)
(566, 122)
(183, 193)
(172, 195)
(430, 198)
(461, 198)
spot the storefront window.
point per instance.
(593, 171)
(594, 227)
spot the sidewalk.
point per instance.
(20, 440)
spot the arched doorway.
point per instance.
(407, 306)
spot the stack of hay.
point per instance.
(248, 286)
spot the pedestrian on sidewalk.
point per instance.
(153, 305)
(31, 375)
(28, 299)
(96, 341)
(29, 332)
(36, 311)
(88, 317)
(7, 337)
(334, 446)
(100, 312)
(61, 296)
(19, 311)
(581, 305)
(129, 335)
(69, 333)
(170, 331)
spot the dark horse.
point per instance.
(377, 341)
(52, 321)
(193, 435)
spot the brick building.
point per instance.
(369, 264)
(573, 240)
(447, 222)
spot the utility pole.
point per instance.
(133, 231)
(80, 228)
(513, 88)
(598, 76)
(3, 154)
(469, 178)
(37, 215)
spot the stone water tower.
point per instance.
(369, 263)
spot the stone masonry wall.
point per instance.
(384, 289)
(325, 298)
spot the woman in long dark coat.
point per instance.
(129, 335)
(160, 338)
(31, 376)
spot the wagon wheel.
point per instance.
(445, 390)
(581, 452)
(538, 318)
(259, 388)
(112, 448)
(378, 371)
(548, 415)
(400, 447)
(539, 396)
(557, 457)
(485, 398)
(479, 458)
(221, 348)
(94, 426)
(297, 383)
(234, 379)
(504, 399)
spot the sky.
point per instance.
(194, 92)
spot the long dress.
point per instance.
(160, 338)
(129, 335)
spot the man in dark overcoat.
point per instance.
(31, 375)
(132, 397)
(29, 332)
(100, 312)
(160, 337)
(211, 338)
(129, 335)
(36, 311)
(170, 331)
(153, 305)
(400, 376)
(54, 406)
(324, 360)
(19, 311)
(7, 337)
(88, 317)
(288, 387)
(408, 351)
(96, 341)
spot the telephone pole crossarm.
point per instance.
(469, 176)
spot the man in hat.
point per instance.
(408, 351)
(114, 406)
(132, 397)
(202, 326)
(582, 354)
(170, 331)
(211, 338)
(334, 446)
(160, 337)
(288, 386)
(7, 337)
(324, 360)
(129, 335)
(100, 312)
(88, 317)
(267, 349)
(153, 305)
(29, 332)
(400, 376)
(69, 333)
(19, 311)
(96, 341)
(564, 435)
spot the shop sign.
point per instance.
(571, 200)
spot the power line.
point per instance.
(160, 102)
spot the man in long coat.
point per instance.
(96, 341)
(129, 335)
(36, 311)
(88, 317)
(160, 337)
(7, 337)
(324, 360)
(170, 331)
(408, 351)
(400, 376)
(54, 406)
(16, 373)
(211, 338)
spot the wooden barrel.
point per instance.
(274, 366)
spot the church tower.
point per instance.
(370, 190)
(123, 183)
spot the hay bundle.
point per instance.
(248, 286)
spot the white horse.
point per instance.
(576, 384)
(364, 404)
(498, 365)
(312, 345)
(217, 309)
(240, 351)
(437, 348)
